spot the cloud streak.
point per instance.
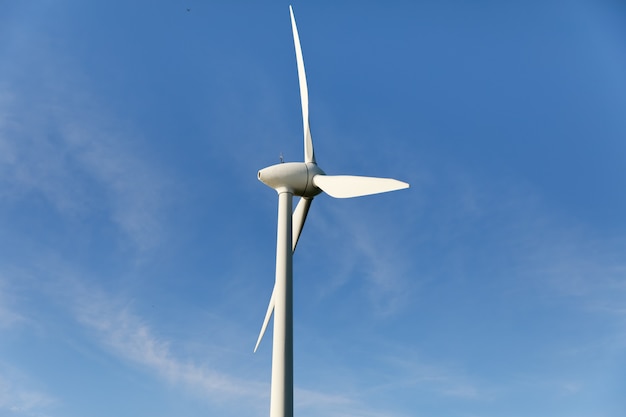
(130, 338)
(366, 246)
(17, 399)
(58, 140)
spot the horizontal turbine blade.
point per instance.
(268, 314)
(347, 186)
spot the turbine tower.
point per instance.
(304, 180)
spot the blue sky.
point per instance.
(137, 246)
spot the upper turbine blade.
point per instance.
(299, 217)
(304, 93)
(346, 186)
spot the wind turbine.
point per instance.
(305, 180)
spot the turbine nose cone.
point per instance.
(262, 176)
(267, 176)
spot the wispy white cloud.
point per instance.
(368, 247)
(307, 398)
(136, 192)
(30, 160)
(60, 140)
(130, 338)
(515, 232)
(519, 245)
(315, 403)
(79, 160)
(9, 316)
(109, 321)
(407, 369)
(591, 275)
(593, 269)
(386, 268)
(18, 399)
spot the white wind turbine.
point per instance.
(305, 180)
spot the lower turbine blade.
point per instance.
(299, 217)
(268, 314)
(347, 186)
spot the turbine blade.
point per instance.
(299, 217)
(304, 93)
(347, 186)
(268, 314)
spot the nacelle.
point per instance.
(293, 177)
